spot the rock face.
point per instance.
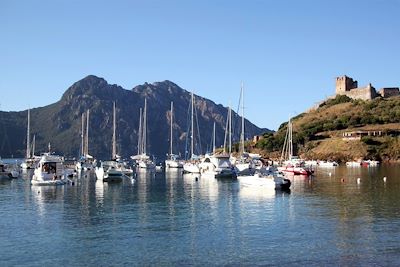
(60, 123)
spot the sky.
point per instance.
(287, 53)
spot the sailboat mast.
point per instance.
(114, 140)
(226, 131)
(83, 135)
(172, 110)
(28, 133)
(214, 138)
(140, 134)
(87, 133)
(242, 134)
(192, 132)
(33, 145)
(230, 130)
(145, 126)
(290, 139)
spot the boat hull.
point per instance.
(48, 183)
(271, 182)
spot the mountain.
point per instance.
(343, 129)
(60, 123)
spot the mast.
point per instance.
(290, 139)
(242, 133)
(230, 130)
(214, 138)
(28, 133)
(114, 141)
(33, 145)
(192, 141)
(145, 126)
(172, 110)
(83, 135)
(226, 130)
(87, 133)
(140, 134)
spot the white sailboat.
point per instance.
(30, 159)
(173, 160)
(220, 166)
(191, 166)
(108, 171)
(246, 163)
(86, 162)
(142, 159)
(291, 163)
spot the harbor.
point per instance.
(170, 218)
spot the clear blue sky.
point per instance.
(287, 53)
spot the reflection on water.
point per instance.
(174, 219)
(46, 194)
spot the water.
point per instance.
(170, 219)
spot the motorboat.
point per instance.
(29, 163)
(353, 164)
(191, 167)
(327, 164)
(49, 171)
(173, 161)
(5, 173)
(370, 163)
(218, 166)
(272, 180)
(109, 172)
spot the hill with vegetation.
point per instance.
(318, 134)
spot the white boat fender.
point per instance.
(384, 179)
(358, 180)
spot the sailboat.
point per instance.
(142, 159)
(291, 163)
(191, 166)
(30, 159)
(247, 163)
(109, 171)
(173, 160)
(220, 166)
(85, 162)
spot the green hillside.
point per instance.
(318, 134)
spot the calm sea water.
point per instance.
(171, 219)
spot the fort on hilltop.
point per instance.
(349, 87)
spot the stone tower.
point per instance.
(345, 84)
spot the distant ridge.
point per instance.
(59, 123)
